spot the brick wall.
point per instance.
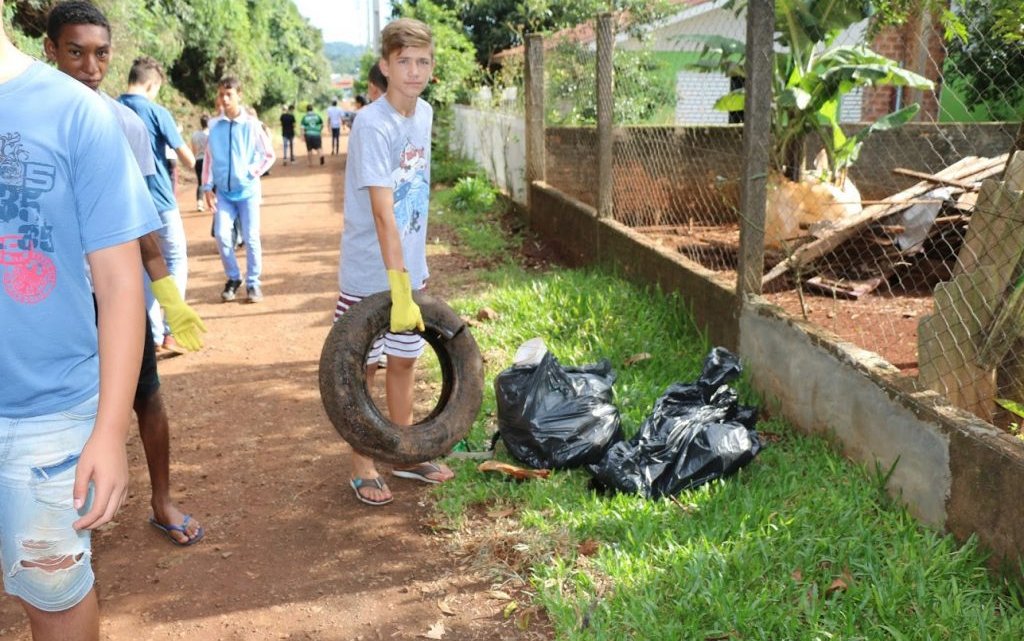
(904, 45)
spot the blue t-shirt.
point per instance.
(69, 186)
(386, 149)
(163, 133)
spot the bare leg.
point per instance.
(401, 377)
(78, 623)
(154, 430)
(363, 466)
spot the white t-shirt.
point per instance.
(334, 115)
(386, 149)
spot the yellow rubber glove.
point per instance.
(405, 314)
(185, 323)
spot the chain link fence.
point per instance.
(887, 217)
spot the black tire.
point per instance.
(353, 413)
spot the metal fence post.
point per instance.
(534, 86)
(605, 107)
(757, 137)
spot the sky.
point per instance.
(342, 20)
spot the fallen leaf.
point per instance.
(509, 609)
(797, 575)
(499, 595)
(500, 514)
(443, 606)
(436, 631)
(520, 473)
(838, 585)
(486, 314)
(588, 547)
(636, 358)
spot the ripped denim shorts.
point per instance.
(45, 561)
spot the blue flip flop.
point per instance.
(376, 482)
(183, 528)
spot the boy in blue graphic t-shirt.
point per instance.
(67, 388)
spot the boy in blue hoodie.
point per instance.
(238, 152)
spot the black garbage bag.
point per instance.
(696, 433)
(551, 416)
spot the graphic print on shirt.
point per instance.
(29, 275)
(411, 190)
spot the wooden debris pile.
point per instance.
(856, 255)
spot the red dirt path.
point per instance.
(289, 553)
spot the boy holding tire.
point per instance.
(383, 246)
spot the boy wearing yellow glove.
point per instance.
(383, 246)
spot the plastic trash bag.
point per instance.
(696, 433)
(551, 416)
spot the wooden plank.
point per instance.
(996, 233)
(1014, 176)
(852, 289)
(920, 175)
(947, 341)
(966, 168)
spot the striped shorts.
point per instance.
(400, 345)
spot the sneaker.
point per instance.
(200, 206)
(230, 289)
(255, 294)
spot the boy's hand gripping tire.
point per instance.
(347, 400)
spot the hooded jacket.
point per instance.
(238, 152)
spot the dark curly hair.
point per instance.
(73, 12)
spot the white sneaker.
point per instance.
(200, 206)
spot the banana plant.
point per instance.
(810, 77)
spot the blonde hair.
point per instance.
(402, 33)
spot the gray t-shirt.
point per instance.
(135, 131)
(386, 149)
(199, 139)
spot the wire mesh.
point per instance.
(873, 190)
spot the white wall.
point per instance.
(497, 142)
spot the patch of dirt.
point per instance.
(884, 321)
(289, 553)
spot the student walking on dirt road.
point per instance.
(144, 81)
(238, 152)
(383, 245)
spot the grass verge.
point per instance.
(801, 544)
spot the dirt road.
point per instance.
(289, 553)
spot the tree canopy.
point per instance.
(275, 52)
(495, 25)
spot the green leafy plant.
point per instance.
(811, 75)
(473, 193)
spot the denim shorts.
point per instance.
(38, 458)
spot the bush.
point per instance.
(474, 193)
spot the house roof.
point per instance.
(586, 33)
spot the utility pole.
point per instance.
(375, 25)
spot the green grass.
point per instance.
(800, 545)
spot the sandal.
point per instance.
(357, 483)
(420, 473)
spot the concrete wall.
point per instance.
(497, 142)
(954, 472)
(573, 228)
